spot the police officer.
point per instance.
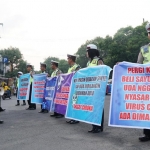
(56, 72)
(18, 76)
(30, 70)
(143, 58)
(43, 70)
(94, 60)
(73, 67)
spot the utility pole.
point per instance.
(1, 59)
(1, 25)
(143, 20)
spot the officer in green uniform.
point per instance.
(94, 60)
(143, 58)
(73, 67)
(30, 70)
(56, 72)
(18, 75)
(43, 70)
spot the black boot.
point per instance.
(91, 131)
(17, 104)
(1, 121)
(144, 138)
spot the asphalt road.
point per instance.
(29, 130)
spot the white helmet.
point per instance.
(147, 27)
(20, 73)
(91, 46)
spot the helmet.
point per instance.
(147, 27)
(91, 46)
(20, 73)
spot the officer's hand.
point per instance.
(31, 74)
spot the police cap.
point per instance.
(20, 73)
(43, 64)
(29, 65)
(54, 62)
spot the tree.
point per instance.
(13, 55)
(20, 66)
(15, 61)
(124, 46)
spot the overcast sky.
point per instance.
(42, 28)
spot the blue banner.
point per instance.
(87, 94)
(130, 99)
(23, 87)
(62, 91)
(38, 88)
(49, 93)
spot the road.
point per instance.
(29, 130)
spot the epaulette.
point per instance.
(145, 48)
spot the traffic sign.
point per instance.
(5, 60)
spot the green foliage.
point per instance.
(124, 46)
(15, 61)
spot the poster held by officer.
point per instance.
(38, 88)
(130, 99)
(62, 91)
(49, 93)
(23, 87)
(87, 94)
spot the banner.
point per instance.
(130, 100)
(38, 87)
(62, 91)
(23, 87)
(87, 94)
(49, 93)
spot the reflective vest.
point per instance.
(54, 74)
(31, 79)
(145, 50)
(43, 72)
(17, 82)
(73, 68)
(94, 62)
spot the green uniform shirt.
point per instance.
(55, 73)
(145, 50)
(73, 68)
(94, 62)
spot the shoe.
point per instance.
(31, 108)
(53, 115)
(17, 104)
(45, 111)
(69, 121)
(91, 131)
(27, 108)
(144, 138)
(97, 130)
(40, 111)
(23, 104)
(1, 109)
(59, 116)
(1, 121)
(73, 122)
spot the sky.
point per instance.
(42, 28)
